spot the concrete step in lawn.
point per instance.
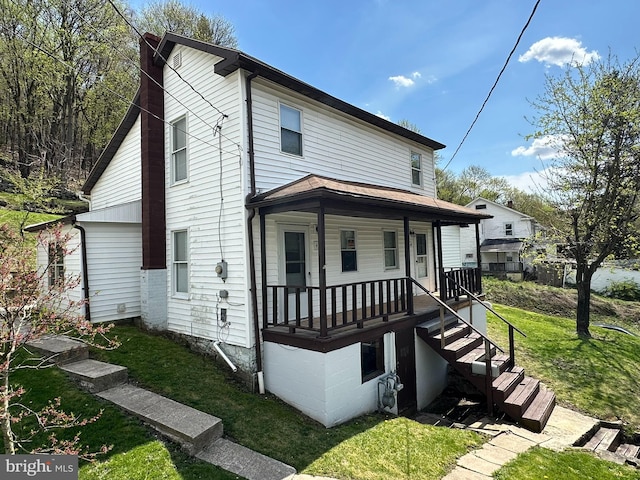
(607, 441)
(95, 376)
(190, 428)
(59, 349)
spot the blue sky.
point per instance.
(433, 62)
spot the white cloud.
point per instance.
(530, 182)
(402, 81)
(559, 51)
(544, 148)
(416, 75)
(382, 115)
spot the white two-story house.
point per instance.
(503, 239)
(271, 223)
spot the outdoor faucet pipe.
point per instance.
(216, 345)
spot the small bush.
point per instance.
(625, 290)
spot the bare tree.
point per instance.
(592, 114)
(174, 16)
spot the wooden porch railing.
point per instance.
(348, 304)
(454, 282)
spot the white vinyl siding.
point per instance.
(121, 182)
(335, 146)
(217, 230)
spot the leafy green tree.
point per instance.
(593, 113)
(174, 16)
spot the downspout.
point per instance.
(85, 273)
(250, 217)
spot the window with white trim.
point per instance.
(179, 150)
(180, 241)
(416, 169)
(390, 249)
(508, 229)
(348, 250)
(290, 130)
(55, 260)
(372, 359)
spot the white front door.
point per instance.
(294, 268)
(422, 264)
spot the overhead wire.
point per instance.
(535, 7)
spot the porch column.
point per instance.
(322, 273)
(441, 279)
(263, 271)
(407, 265)
(479, 269)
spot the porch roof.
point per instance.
(361, 200)
(501, 245)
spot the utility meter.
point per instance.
(221, 270)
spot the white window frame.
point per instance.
(175, 263)
(417, 170)
(394, 249)
(286, 106)
(508, 229)
(55, 260)
(348, 248)
(174, 151)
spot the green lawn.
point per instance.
(599, 376)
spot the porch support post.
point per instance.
(479, 269)
(407, 265)
(263, 271)
(443, 283)
(322, 273)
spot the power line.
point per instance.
(164, 59)
(535, 7)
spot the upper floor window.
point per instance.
(179, 150)
(416, 168)
(290, 130)
(348, 250)
(180, 262)
(508, 229)
(55, 260)
(390, 249)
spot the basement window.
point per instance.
(372, 359)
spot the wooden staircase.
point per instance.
(522, 398)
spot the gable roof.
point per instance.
(233, 60)
(361, 199)
(504, 207)
(112, 147)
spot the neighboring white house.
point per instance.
(503, 239)
(259, 216)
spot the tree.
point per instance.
(592, 114)
(474, 181)
(34, 304)
(161, 16)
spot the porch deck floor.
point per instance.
(424, 308)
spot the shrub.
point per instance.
(625, 290)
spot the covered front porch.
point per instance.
(375, 251)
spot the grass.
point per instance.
(15, 218)
(267, 425)
(540, 463)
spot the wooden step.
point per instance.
(473, 356)
(506, 383)
(433, 325)
(537, 414)
(628, 450)
(605, 439)
(521, 397)
(451, 334)
(462, 346)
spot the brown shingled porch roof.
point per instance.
(341, 197)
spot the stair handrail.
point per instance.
(454, 313)
(488, 307)
(512, 327)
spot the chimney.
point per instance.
(510, 204)
(152, 157)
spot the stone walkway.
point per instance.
(565, 428)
